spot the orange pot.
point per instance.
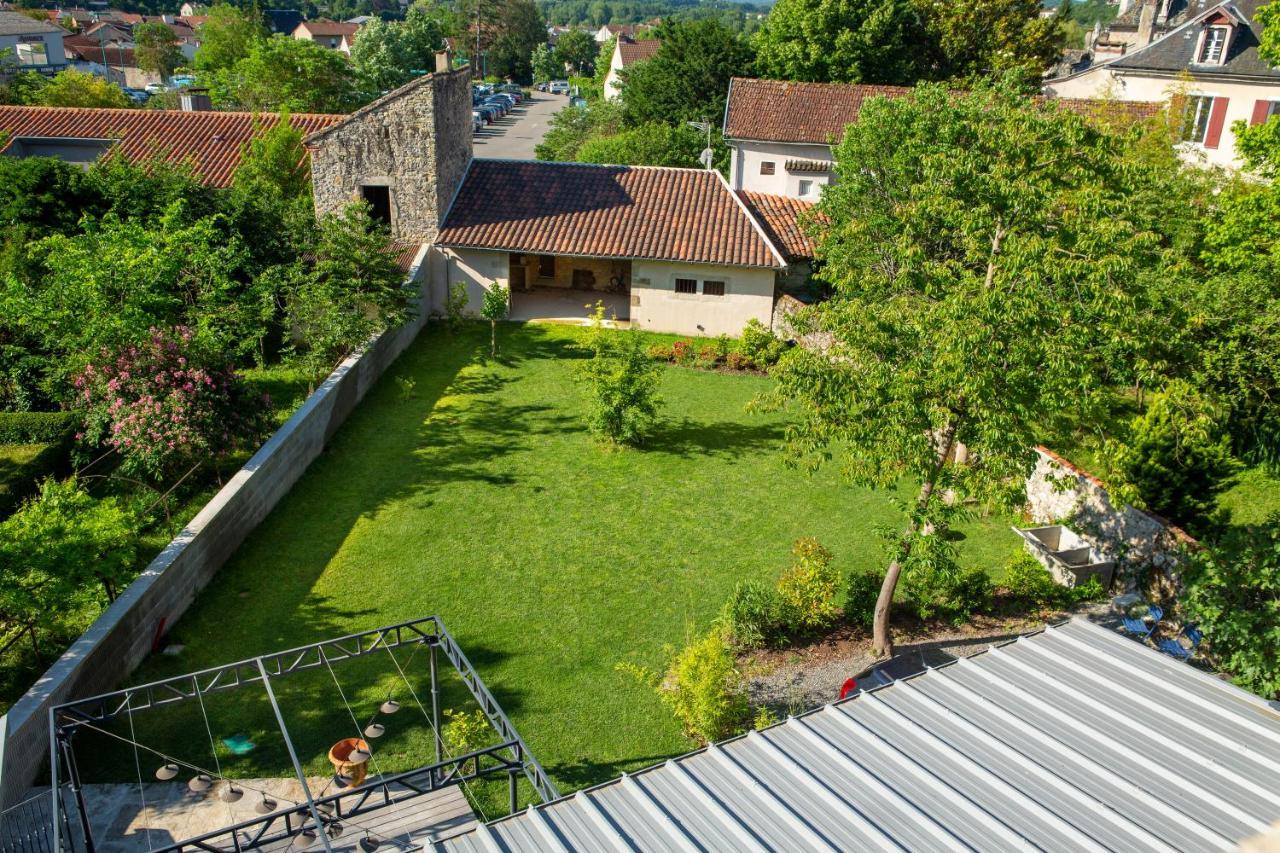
(339, 755)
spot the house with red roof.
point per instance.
(626, 53)
(334, 35)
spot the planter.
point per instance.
(1069, 557)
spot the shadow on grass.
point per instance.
(725, 439)
(584, 773)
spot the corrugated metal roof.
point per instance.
(1075, 738)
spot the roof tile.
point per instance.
(782, 218)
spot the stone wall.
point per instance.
(1059, 491)
(122, 637)
(415, 140)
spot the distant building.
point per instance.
(335, 35)
(33, 45)
(626, 53)
(629, 31)
(282, 20)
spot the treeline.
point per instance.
(597, 13)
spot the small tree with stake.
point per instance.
(981, 253)
(495, 307)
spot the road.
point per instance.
(515, 135)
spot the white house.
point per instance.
(335, 35)
(1211, 59)
(626, 53)
(31, 45)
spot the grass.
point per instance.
(482, 499)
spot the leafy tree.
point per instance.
(156, 49)
(43, 195)
(56, 546)
(604, 58)
(226, 37)
(72, 88)
(989, 38)
(1232, 593)
(570, 129)
(497, 302)
(544, 64)
(577, 49)
(269, 200)
(19, 88)
(649, 144)
(351, 291)
(518, 29)
(622, 386)
(285, 73)
(145, 190)
(386, 54)
(688, 78)
(840, 41)
(978, 253)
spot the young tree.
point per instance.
(979, 251)
(577, 49)
(622, 383)
(156, 49)
(544, 64)
(226, 37)
(840, 41)
(989, 38)
(649, 144)
(285, 73)
(387, 54)
(72, 88)
(570, 129)
(517, 30)
(497, 303)
(686, 80)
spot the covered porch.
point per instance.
(566, 288)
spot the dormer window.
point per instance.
(1213, 45)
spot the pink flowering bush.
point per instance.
(160, 408)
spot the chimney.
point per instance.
(1124, 7)
(195, 101)
(1147, 23)
(444, 61)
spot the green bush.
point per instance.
(761, 345)
(704, 689)
(622, 383)
(661, 352)
(937, 586)
(752, 617)
(1232, 593)
(682, 351)
(809, 588)
(465, 732)
(35, 427)
(1031, 583)
(864, 589)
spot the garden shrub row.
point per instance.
(35, 427)
(758, 349)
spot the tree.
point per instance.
(622, 386)
(156, 49)
(604, 58)
(570, 129)
(688, 78)
(387, 54)
(577, 49)
(285, 73)
(649, 144)
(840, 41)
(226, 37)
(497, 302)
(544, 64)
(978, 253)
(72, 88)
(988, 38)
(519, 29)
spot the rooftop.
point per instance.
(635, 51)
(1074, 738)
(213, 141)
(18, 24)
(329, 28)
(781, 218)
(636, 212)
(1175, 52)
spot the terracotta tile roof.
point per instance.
(213, 140)
(818, 113)
(635, 51)
(640, 212)
(329, 28)
(405, 253)
(781, 217)
(88, 50)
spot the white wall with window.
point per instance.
(761, 167)
(36, 51)
(698, 299)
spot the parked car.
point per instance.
(500, 105)
(156, 88)
(490, 112)
(542, 87)
(478, 121)
(559, 87)
(138, 96)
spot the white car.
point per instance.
(156, 88)
(559, 87)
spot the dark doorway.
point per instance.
(379, 199)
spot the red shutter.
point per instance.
(1217, 118)
(1260, 111)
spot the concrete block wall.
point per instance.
(122, 637)
(1057, 490)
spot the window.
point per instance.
(1273, 109)
(379, 199)
(686, 285)
(1214, 45)
(1195, 118)
(713, 288)
(546, 266)
(32, 51)
(766, 167)
(806, 187)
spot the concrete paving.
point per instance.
(515, 135)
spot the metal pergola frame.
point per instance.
(512, 756)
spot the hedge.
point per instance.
(34, 427)
(22, 480)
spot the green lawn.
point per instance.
(482, 499)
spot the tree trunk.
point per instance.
(881, 638)
(493, 338)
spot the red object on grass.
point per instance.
(848, 687)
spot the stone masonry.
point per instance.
(415, 140)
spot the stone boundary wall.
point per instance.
(123, 635)
(1060, 491)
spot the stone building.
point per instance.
(405, 153)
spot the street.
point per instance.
(515, 135)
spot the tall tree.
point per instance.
(686, 80)
(984, 38)
(979, 251)
(72, 88)
(285, 73)
(226, 36)
(519, 29)
(840, 41)
(387, 54)
(544, 64)
(577, 49)
(156, 49)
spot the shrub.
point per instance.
(738, 361)
(761, 345)
(682, 351)
(35, 427)
(864, 589)
(455, 304)
(661, 352)
(723, 346)
(752, 617)
(708, 356)
(704, 689)
(808, 589)
(1232, 593)
(465, 732)
(1031, 583)
(935, 584)
(623, 389)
